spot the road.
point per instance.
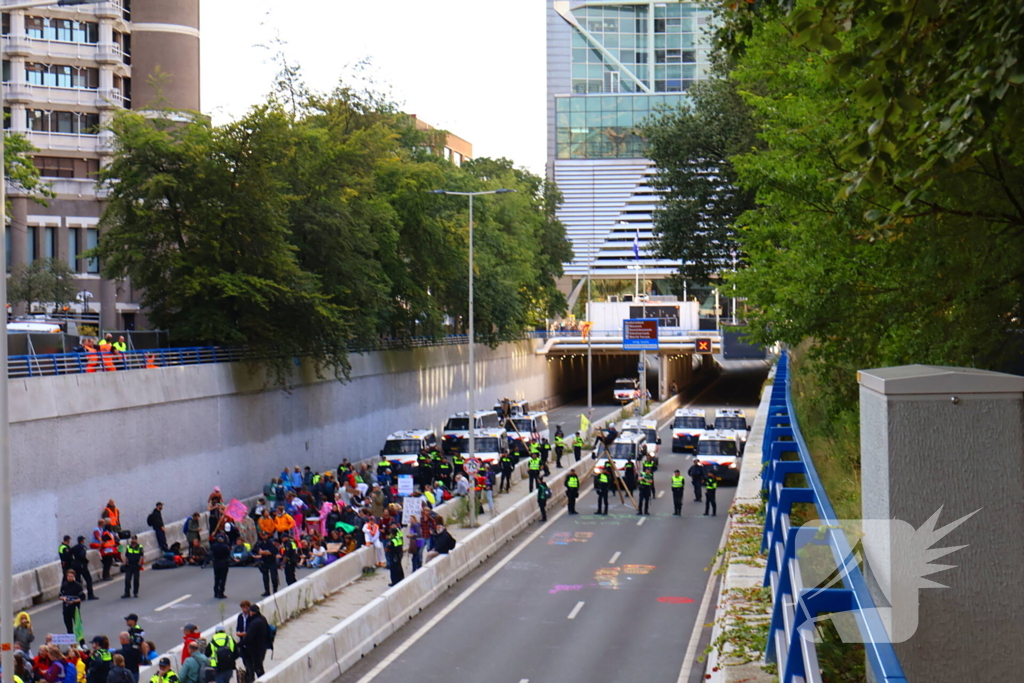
(584, 598)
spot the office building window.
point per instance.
(49, 243)
(62, 30)
(62, 122)
(63, 167)
(31, 243)
(73, 248)
(63, 76)
(7, 71)
(7, 118)
(92, 238)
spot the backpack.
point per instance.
(70, 672)
(271, 635)
(164, 563)
(207, 674)
(149, 520)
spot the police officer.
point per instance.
(424, 468)
(710, 486)
(646, 492)
(577, 446)
(696, 474)
(266, 552)
(133, 556)
(507, 466)
(220, 554)
(543, 493)
(678, 488)
(559, 449)
(64, 553)
(533, 467)
(604, 480)
(629, 475)
(136, 634)
(222, 653)
(445, 469)
(164, 673)
(572, 491)
(648, 462)
(383, 465)
(458, 463)
(437, 457)
(394, 545)
(80, 563)
(545, 454)
(291, 559)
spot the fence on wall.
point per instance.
(798, 609)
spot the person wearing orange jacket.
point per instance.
(112, 515)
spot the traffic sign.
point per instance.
(472, 466)
(639, 367)
(702, 346)
(640, 334)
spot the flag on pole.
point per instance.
(586, 329)
(636, 243)
(79, 629)
(584, 423)
(236, 509)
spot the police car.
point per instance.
(457, 427)
(524, 430)
(719, 453)
(650, 430)
(628, 446)
(402, 449)
(688, 427)
(733, 420)
(488, 445)
(625, 390)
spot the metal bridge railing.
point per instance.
(798, 608)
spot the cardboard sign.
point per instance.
(411, 507)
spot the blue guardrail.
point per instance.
(797, 608)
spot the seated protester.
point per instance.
(284, 523)
(198, 555)
(231, 530)
(444, 543)
(349, 545)
(241, 553)
(278, 492)
(318, 556)
(268, 491)
(267, 525)
(42, 661)
(331, 519)
(174, 550)
(334, 545)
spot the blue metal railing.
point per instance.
(45, 365)
(796, 607)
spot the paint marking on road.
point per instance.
(614, 557)
(576, 610)
(426, 628)
(660, 494)
(641, 522)
(172, 603)
(698, 624)
(525, 680)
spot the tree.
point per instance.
(692, 147)
(42, 281)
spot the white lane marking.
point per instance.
(172, 603)
(525, 680)
(641, 522)
(575, 610)
(426, 628)
(698, 625)
(614, 557)
(660, 494)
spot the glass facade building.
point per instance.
(611, 66)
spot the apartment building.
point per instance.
(451, 147)
(65, 71)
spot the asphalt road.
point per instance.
(588, 598)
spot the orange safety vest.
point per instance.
(151, 362)
(109, 545)
(92, 361)
(108, 360)
(114, 515)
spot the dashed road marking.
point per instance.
(575, 610)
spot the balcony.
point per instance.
(49, 95)
(17, 46)
(109, 98)
(64, 142)
(109, 10)
(49, 51)
(109, 53)
(77, 188)
(17, 93)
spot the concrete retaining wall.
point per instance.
(172, 434)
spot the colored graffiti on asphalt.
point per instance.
(574, 587)
(612, 577)
(567, 537)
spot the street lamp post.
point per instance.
(472, 342)
(6, 517)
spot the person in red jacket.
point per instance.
(192, 635)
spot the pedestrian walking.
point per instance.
(710, 487)
(577, 446)
(223, 654)
(131, 654)
(133, 556)
(646, 493)
(572, 490)
(256, 643)
(71, 599)
(266, 553)
(604, 480)
(507, 466)
(220, 555)
(543, 493)
(156, 522)
(80, 563)
(678, 489)
(119, 673)
(696, 474)
(191, 670)
(533, 468)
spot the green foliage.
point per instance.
(43, 281)
(20, 172)
(306, 227)
(692, 147)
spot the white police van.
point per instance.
(489, 445)
(457, 427)
(625, 390)
(402, 449)
(733, 420)
(628, 446)
(650, 429)
(688, 427)
(524, 430)
(719, 452)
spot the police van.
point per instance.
(688, 427)
(650, 430)
(625, 390)
(402, 449)
(513, 406)
(733, 420)
(457, 427)
(524, 430)
(719, 453)
(489, 444)
(628, 446)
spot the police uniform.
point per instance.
(646, 491)
(577, 446)
(678, 488)
(133, 555)
(291, 560)
(696, 473)
(559, 449)
(533, 468)
(604, 480)
(572, 491)
(710, 487)
(506, 473)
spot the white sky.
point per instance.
(473, 67)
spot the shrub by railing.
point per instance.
(798, 609)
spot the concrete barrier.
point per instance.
(355, 636)
(25, 587)
(49, 578)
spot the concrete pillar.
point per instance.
(165, 40)
(938, 445)
(664, 377)
(109, 320)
